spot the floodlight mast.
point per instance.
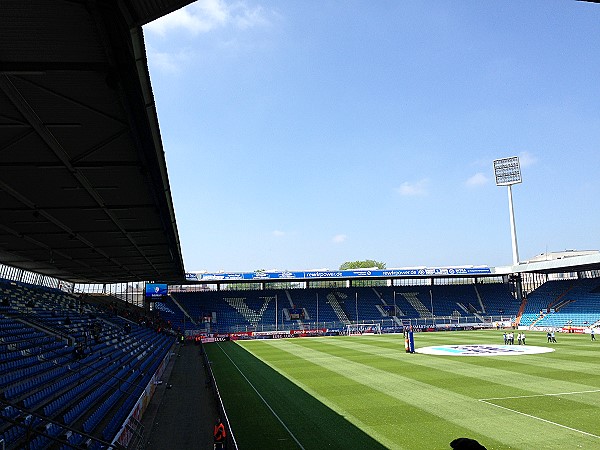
(508, 172)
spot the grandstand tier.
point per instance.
(263, 310)
(71, 372)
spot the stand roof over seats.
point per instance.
(84, 190)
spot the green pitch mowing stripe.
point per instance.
(420, 401)
(254, 423)
(360, 394)
(563, 409)
(528, 369)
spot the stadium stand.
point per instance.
(70, 370)
(250, 310)
(563, 303)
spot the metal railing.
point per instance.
(387, 324)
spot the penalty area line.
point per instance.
(539, 418)
(262, 398)
(540, 395)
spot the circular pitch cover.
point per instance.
(483, 350)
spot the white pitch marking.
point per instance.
(539, 395)
(263, 399)
(539, 418)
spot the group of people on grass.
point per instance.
(509, 338)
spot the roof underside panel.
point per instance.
(84, 192)
(144, 11)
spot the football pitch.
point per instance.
(366, 392)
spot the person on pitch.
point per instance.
(219, 435)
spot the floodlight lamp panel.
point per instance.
(507, 171)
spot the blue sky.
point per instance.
(300, 135)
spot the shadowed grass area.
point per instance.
(312, 423)
(366, 392)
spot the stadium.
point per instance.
(109, 341)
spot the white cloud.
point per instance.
(245, 17)
(278, 233)
(339, 238)
(479, 179)
(168, 62)
(526, 159)
(203, 16)
(413, 189)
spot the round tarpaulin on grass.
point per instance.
(483, 350)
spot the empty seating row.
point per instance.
(70, 393)
(252, 309)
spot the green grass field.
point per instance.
(365, 392)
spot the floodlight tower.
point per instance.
(508, 172)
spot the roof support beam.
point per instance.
(30, 115)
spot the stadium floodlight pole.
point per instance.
(508, 172)
(513, 229)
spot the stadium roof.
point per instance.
(564, 262)
(84, 190)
